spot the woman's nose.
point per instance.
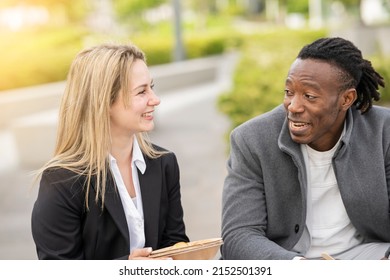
(154, 100)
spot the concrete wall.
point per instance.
(26, 101)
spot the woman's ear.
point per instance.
(348, 97)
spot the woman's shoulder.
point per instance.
(60, 173)
(162, 151)
(62, 178)
(61, 189)
(165, 155)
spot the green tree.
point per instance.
(298, 6)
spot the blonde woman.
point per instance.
(107, 193)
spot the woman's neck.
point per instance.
(122, 148)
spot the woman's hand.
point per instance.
(143, 254)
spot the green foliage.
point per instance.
(210, 43)
(298, 6)
(126, 8)
(259, 78)
(158, 49)
(382, 66)
(35, 57)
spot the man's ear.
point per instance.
(348, 97)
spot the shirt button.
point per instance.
(296, 229)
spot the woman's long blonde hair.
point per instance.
(94, 81)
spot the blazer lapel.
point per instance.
(150, 184)
(113, 204)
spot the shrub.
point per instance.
(159, 49)
(210, 43)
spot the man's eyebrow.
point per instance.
(306, 83)
(312, 84)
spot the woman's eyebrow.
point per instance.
(143, 85)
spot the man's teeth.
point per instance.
(148, 114)
(299, 124)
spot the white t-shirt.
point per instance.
(328, 227)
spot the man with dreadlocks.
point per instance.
(311, 178)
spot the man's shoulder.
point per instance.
(375, 114)
(381, 110)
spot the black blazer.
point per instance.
(62, 228)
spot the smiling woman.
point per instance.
(108, 192)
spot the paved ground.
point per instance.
(187, 123)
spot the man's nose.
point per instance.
(295, 105)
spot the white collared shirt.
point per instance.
(133, 208)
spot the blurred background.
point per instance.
(216, 64)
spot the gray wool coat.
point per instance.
(264, 195)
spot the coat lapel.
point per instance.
(113, 204)
(150, 183)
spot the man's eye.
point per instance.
(309, 96)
